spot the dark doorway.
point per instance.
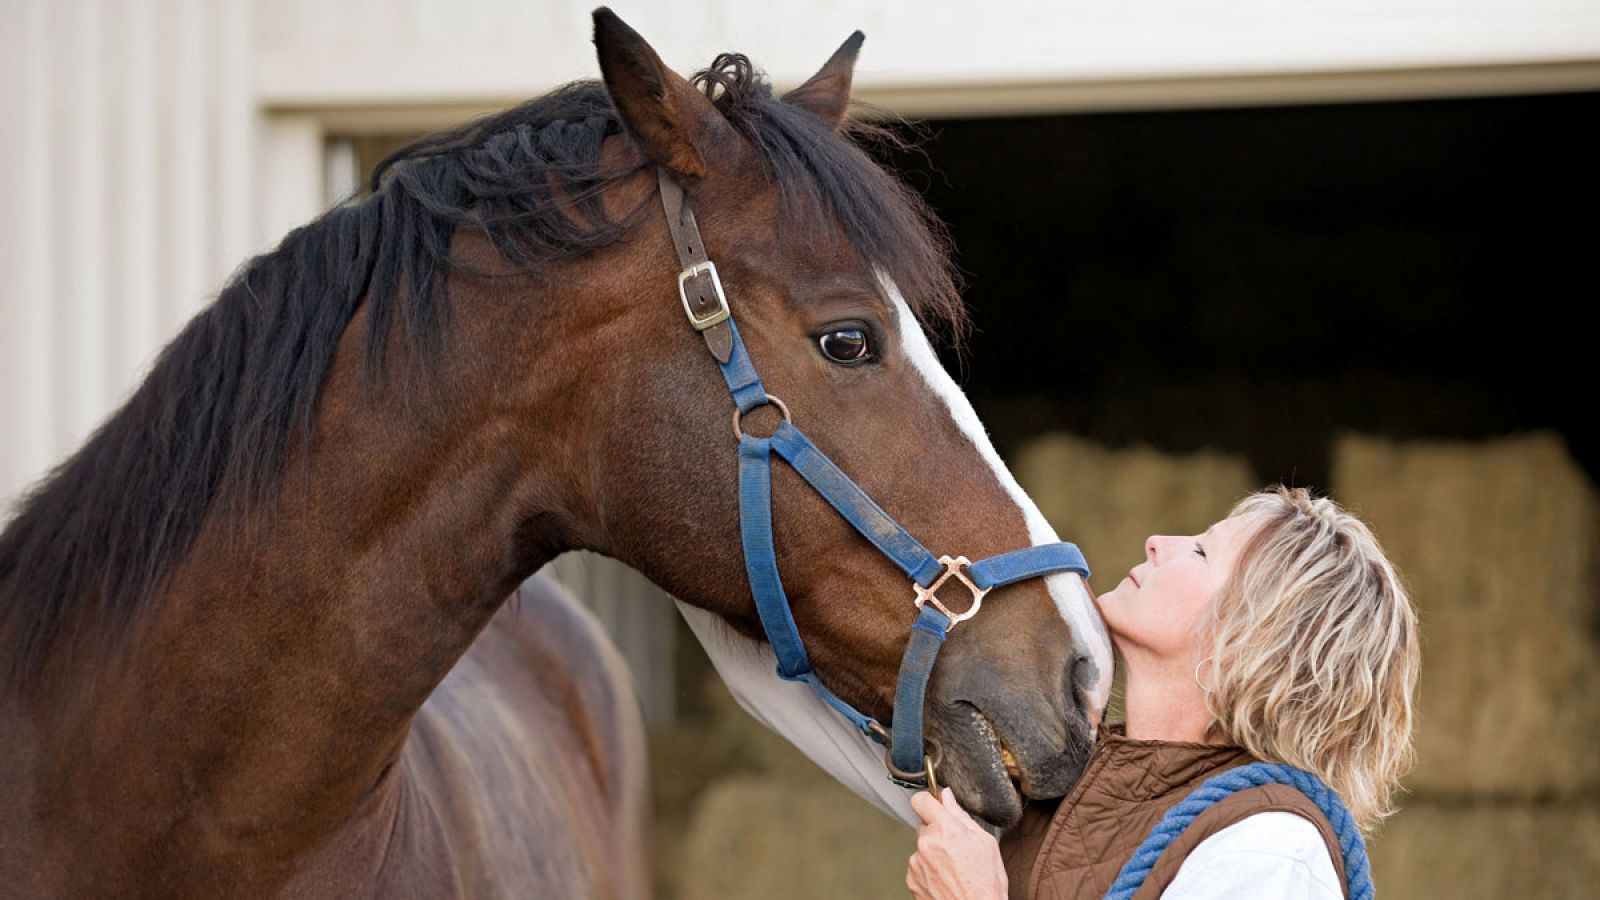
(1258, 280)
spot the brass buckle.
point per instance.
(707, 271)
(952, 569)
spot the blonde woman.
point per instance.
(1281, 634)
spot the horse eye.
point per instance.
(847, 346)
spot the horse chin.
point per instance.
(994, 772)
(975, 768)
(996, 802)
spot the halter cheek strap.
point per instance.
(705, 303)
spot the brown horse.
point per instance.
(255, 633)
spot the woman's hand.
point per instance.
(955, 859)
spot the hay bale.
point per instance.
(1497, 541)
(1108, 501)
(736, 806)
(751, 837)
(1489, 852)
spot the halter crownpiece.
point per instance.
(909, 761)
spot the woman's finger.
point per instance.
(916, 876)
(956, 815)
(948, 798)
(927, 807)
(954, 857)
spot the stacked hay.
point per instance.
(1498, 543)
(742, 813)
(792, 840)
(1108, 501)
(1491, 851)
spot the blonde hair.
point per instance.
(1314, 648)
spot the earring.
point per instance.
(1197, 680)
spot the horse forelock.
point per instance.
(827, 180)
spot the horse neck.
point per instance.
(273, 683)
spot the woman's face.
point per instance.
(1159, 608)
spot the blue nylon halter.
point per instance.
(706, 305)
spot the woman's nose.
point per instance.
(1155, 547)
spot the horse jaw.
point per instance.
(790, 708)
(1069, 591)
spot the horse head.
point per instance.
(834, 273)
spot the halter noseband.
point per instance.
(706, 305)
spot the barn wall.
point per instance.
(932, 56)
(128, 162)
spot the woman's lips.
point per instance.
(1132, 578)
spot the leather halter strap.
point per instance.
(705, 303)
(703, 300)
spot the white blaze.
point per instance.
(749, 668)
(1068, 590)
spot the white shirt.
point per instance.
(1270, 855)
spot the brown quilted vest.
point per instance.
(1073, 848)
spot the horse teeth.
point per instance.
(1009, 760)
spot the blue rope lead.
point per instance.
(1357, 870)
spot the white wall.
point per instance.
(931, 56)
(125, 198)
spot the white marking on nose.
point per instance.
(1068, 590)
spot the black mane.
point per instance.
(207, 432)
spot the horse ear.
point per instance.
(827, 93)
(671, 121)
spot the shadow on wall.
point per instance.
(1498, 542)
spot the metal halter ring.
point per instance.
(738, 415)
(924, 779)
(952, 569)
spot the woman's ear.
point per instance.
(675, 125)
(827, 93)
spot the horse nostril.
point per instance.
(1080, 678)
